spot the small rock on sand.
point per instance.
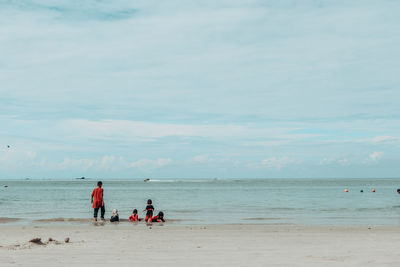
(66, 240)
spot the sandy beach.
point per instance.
(208, 245)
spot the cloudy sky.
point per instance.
(123, 89)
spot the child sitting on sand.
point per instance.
(149, 208)
(114, 216)
(158, 218)
(134, 217)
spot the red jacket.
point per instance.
(134, 218)
(97, 196)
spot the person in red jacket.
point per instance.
(134, 217)
(98, 201)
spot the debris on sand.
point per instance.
(37, 241)
(51, 240)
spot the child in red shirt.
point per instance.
(98, 202)
(158, 218)
(134, 217)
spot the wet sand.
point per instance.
(209, 245)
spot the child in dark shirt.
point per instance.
(114, 216)
(158, 218)
(149, 208)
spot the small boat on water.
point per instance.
(146, 180)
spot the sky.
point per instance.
(199, 89)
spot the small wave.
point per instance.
(185, 211)
(263, 219)
(330, 210)
(78, 220)
(177, 181)
(370, 209)
(338, 217)
(178, 220)
(9, 220)
(284, 208)
(59, 219)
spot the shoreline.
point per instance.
(232, 226)
(66, 221)
(200, 245)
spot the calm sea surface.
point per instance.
(206, 201)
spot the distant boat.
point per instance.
(147, 179)
(81, 178)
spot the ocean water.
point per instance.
(209, 201)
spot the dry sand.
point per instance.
(215, 245)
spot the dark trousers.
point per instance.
(103, 211)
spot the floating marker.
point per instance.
(346, 190)
(362, 191)
(373, 190)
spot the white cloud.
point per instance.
(276, 163)
(150, 131)
(341, 161)
(14, 158)
(107, 160)
(111, 163)
(375, 156)
(200, 158)
(108, 163)
(147, 165)
(384, 139)
(76, 164)
(272, 143)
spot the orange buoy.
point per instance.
(373, 190)
(346, 190)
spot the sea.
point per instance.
(207, 201)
